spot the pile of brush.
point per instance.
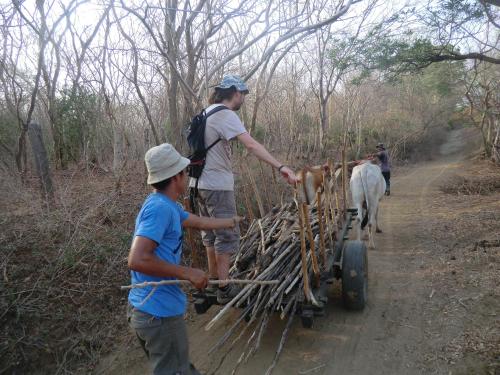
(289, 244)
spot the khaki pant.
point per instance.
(219, 204)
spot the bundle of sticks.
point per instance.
(289, 244)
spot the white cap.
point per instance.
(163, 162)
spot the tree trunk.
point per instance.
(117, 149)
(58, 139)
(21, 152)
(173, 113)
(323, 126)
(495, 149)
(41, 162)
(359, 129)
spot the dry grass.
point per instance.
(59, 302)
(475, 181)
(60, 271)
(467, 227)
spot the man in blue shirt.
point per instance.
(157, 314)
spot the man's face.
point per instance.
(239, 99)
(181, 182)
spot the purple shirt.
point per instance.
(383, 156)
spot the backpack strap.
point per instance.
(194, 191)
(213, 144)
(215, 110)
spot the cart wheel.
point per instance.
(307, 318)
(355, 275)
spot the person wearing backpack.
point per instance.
(215, 185)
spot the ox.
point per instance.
(367, 187)
(312, 180)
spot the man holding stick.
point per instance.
(216, 184)
(157, 313)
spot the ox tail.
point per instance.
(365, 220)
(365, 192)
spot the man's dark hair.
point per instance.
(219, 95)
(162, 185)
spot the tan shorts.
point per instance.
(219, 204)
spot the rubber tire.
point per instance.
(355, 275)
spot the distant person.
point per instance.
(157, 315)
(385, 166)
(216, 183)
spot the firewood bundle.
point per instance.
(289, 244)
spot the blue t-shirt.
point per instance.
(160, 220)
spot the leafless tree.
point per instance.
(482, 92)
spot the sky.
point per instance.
(88, 13)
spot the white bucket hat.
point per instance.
(163, 162)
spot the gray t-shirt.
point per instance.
(218, 171)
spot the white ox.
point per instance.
(367, 187)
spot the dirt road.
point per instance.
(396, 333)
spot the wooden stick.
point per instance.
(270, 232)
(305, 212)
(344, 184)
(211, 282)
(262, 240)
(248, 289)
(195, 261)
(268, 199)
(287, 283)
(255, 190)
(335, 210)
(290, 303)
(334, 177)
(250, 214)
(257, 303)
(321, 229)
(276, 187)
(230, 330)
(153, 290)
(328, 205)
(242, 356)
(294, 281)
(226, 308)
(283, 339)
(305, 276)
(263, 326)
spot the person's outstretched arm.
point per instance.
(204, 223)
(260, 152)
